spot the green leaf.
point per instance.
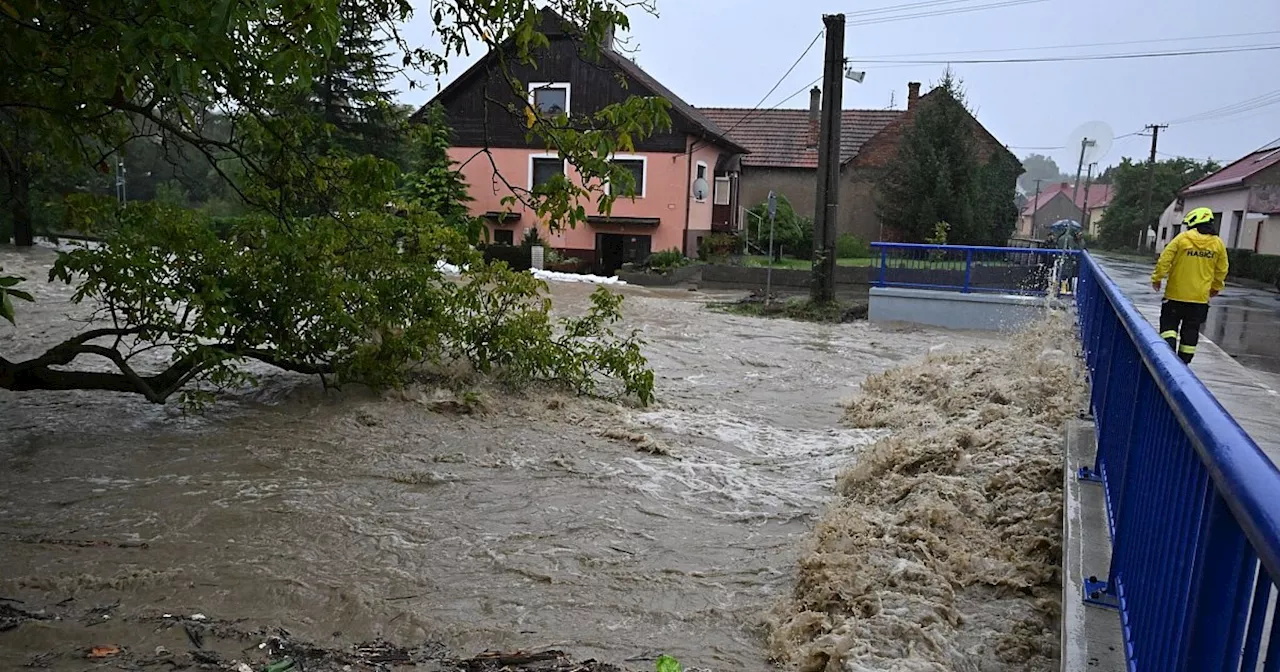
(21, 295)
(6, 307)
(668, 664)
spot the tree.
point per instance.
(1127, 215)
(939, 176)
(792, 232)
(1043, 168)
(433, 182)
(352, 93)
(352, 291)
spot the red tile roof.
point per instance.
(780, 138)
(1099, 196)
(1236, 173)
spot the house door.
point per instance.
(615, 249)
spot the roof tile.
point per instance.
(780, 138)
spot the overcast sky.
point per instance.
(731, 52)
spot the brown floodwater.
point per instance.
(546, 521)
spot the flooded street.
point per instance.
(546, 521)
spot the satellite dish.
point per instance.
(1090, 142)
(700, 188)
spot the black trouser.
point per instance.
(1180, 320)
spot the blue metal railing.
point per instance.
(1193, 504)
(1003, 270)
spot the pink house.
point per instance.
(686, 178)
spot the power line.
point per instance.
(779, 83)
(907, 5)
(1082, 45)
(1063, 59)
(955, 10)
(1247, 105)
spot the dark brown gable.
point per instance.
(485, 112)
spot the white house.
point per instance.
(1245, 200)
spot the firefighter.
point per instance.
(1195, 262)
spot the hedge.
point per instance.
(1260, 267)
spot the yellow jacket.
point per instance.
(1195, 263)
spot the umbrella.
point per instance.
(1064, 225)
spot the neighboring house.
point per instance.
(686, 178)
(1245, 199)
(1054, 202)
(783, 156)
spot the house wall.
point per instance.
(1222, 203)
(1058, 207)
(797, 184)
(667, 196)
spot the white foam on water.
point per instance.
(741, 468)
(556, 276)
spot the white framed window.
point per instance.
(701, 172)
(720, 195)
(542, 167)
(550, 98)
(638, 165)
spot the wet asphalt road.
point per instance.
(1242, 321)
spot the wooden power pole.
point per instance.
(1151, 183)
(825, 218)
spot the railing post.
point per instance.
(968, 269)
(884, 265)
(1214, 641)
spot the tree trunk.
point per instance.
(20, 190)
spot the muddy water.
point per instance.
(350, 516)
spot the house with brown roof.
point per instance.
(685, 177)
(1063, 200)
(1245, 199)
(783, 155)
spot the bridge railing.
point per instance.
(1193, 504)
(967, 268)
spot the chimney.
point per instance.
(815, 113)
(913, 94)
(1066, 186)
(608, 39)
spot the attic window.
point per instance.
(549, 98)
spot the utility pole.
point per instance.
(1035, 209)
(828, 193)
(1084, 210)
(1085, 143)
(1151, 181)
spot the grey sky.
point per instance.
(730, 52)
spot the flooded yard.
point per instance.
(605, 530)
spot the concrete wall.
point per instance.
(954, 310)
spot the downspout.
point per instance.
(688, 194)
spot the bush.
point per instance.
(666, 260)
(718, 247)
(849, 246)
(792, 233)
(1248, 265)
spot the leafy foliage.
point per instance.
(1243, 264)
(1124, 218)
(8, 294)
(1043, 168)
(316, 274)
(667, 260)
(939, 175)
(668, 664)
(792, 232)
(849, 246)
(718, 247)
(433, 181)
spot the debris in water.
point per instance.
(944, 548)
(199, 617)
(103, 651)
(643, 442)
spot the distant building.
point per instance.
(783, 156)
(1055, 202)
(1245, 199)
